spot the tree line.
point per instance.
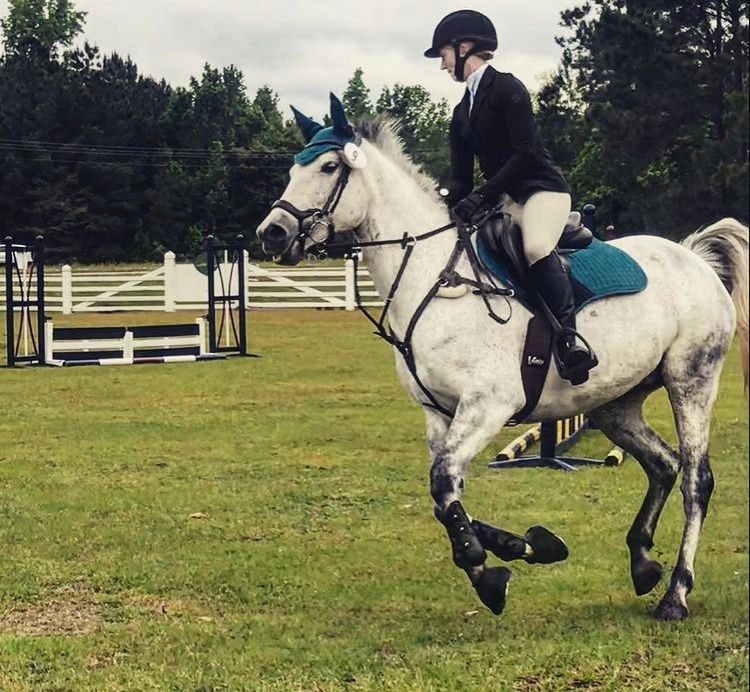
(647, 115)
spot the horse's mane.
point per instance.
(383, 134)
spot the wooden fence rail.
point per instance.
(173, 286)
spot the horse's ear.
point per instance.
(341, 125)
(308, 126)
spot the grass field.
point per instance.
(264, 524)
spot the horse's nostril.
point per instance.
(274, 233)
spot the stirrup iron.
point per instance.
(578, 372)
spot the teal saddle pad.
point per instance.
(598, 271)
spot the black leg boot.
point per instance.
(553, 283)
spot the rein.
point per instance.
(447, 277)
(320, 232)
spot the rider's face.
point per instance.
(448, 59)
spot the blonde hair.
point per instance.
(483, 54)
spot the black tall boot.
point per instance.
(553, 283)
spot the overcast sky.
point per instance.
(304, 49)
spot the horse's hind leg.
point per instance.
(692, 379)
(622, 422)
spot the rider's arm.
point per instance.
(517, 116)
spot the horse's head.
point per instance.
(325, 193)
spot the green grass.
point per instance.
(318, 565)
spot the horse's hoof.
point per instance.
(670, 610)
(646, 575)
(492, 588)
(546, 546)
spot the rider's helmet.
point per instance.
(463, 25)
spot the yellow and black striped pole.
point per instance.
(555, 437)
(520, 444)
(614, 457)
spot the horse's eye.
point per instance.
(329, 167)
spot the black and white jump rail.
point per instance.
(162, 343)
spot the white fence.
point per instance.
(173, 286)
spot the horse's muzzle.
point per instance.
(278, 241)
(274, 238)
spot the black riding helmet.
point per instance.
(463, 25)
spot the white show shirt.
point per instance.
(472, 83)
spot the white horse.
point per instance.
(674, 334)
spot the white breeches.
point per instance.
(542, 220)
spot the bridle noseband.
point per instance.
(320, 229)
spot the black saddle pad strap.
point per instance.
(537, 354)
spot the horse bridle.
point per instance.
(320, 230)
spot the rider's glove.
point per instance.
(469, 206)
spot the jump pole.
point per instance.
(520, 444)
(9, 317)
(614, 457)
(555, 437)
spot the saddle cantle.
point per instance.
(596, 269)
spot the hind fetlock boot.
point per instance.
(553, 283)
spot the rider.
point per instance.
(494, 121)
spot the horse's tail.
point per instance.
(724, 245)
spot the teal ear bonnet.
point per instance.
(322, 139)
(325, 140)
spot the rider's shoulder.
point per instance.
(507, 82)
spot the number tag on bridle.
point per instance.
(353, 156)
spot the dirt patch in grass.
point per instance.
(68, 611)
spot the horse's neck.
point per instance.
(399, 205)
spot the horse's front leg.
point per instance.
(471, 429)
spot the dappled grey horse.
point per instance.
(464, 369)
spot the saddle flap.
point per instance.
(502, 236)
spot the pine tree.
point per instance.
(356, 98)
(663, 90)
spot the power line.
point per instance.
(167, 157)
(161, 150)
(136, 164)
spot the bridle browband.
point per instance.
(321, 243)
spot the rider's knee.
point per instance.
(535, 250)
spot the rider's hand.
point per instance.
(468, 207)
